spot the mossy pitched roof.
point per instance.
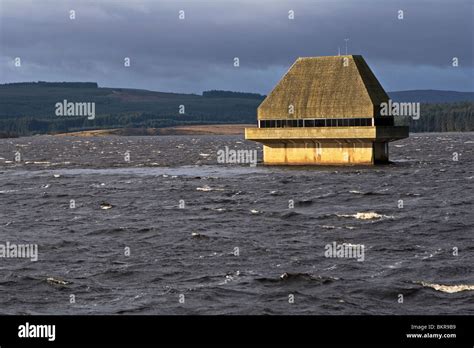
(325, 87)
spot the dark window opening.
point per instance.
(329, 122)
(384, 121)
(319, 123)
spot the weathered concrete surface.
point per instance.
(310, 153)
(380, 152)
(315, 133)
(325, 88)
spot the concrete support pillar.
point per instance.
(322, 152)
(380, 152)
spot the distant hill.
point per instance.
(430, 96)
(29, 108)
(53, 84)
(231, 94)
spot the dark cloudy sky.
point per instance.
(196, 54)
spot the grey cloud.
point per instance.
(189, 55)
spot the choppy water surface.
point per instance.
(192, 251)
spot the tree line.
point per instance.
(447, 117)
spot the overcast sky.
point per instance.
(197, 53)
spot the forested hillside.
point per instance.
(29, 108)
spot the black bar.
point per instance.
(223, 330)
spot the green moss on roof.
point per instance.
(324, 87)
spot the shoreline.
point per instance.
(212, 129)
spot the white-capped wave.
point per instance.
(450, 289)
(370, 215)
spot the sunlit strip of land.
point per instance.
(213, 129)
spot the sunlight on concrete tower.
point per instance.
(326, 110)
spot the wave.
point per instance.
(370, 215)
(289, 215)
(108, 231)
(304, 203)
(368, 193)
(331, 227)
(428, 255)
(207, 188)
(450, 289)
(230, 277)
(295, 277)
(57, 281)
(328, 227)
(197, 235)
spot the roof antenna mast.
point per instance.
(346, 44)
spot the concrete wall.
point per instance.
(307, 153)
(310, 133)
(379, 133)
(380, 152)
